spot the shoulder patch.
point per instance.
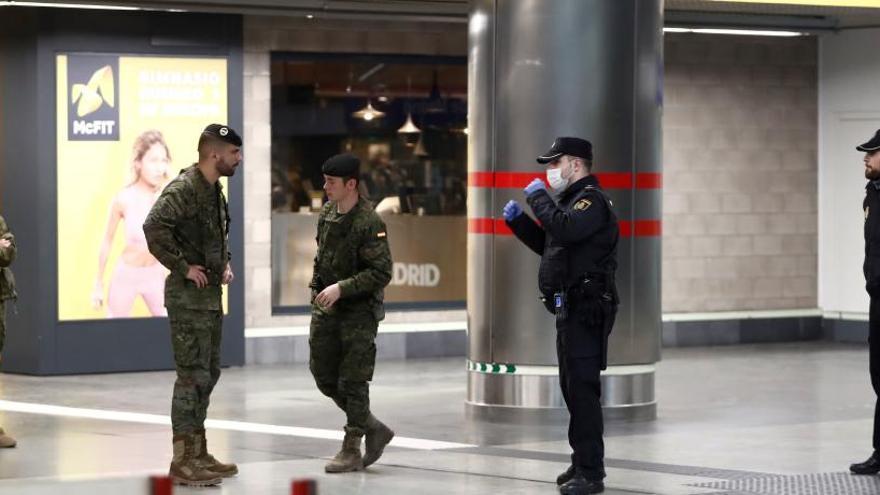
(381, 234)
(583, 204)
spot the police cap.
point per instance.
(344, 165)
(872, 145)
(572, 146)
(223, 133)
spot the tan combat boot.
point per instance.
(6, 442)
(185, 469)
(211, 463)
(377, 437)
(349, 458)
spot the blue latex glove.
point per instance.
(535, 186)
(511, 210)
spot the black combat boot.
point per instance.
(579, 485)
(565, 476)
(871, 466)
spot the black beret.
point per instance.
(344, 165)
(223, 133)
(872, 145)
(573, 146)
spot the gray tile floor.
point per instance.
(769, 419)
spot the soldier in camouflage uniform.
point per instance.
(352, 268)
(7, 292)
(187, 230)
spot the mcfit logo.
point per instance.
(93, 110)
(99, 90)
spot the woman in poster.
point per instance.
(137, 272)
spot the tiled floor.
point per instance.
(770, 419)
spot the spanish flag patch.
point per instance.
(583, 204)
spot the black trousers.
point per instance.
(874, 363)
(578, 347)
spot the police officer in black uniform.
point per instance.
(577, 241)
(871, 205)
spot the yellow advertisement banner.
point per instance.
(126, 125)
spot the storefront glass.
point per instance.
(406, 118)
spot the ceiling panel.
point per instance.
(717, 12)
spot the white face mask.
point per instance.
(556, 180)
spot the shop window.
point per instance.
(406, 118)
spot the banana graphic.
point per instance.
(88, 94)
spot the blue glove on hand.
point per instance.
(535, 186)
(511, 210)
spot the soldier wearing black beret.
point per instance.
(352, 268)
(576, 238)
(220, 132)
(345, 165)
(187, 230)
(871, 207)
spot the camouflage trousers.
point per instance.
(195, 339)
(342, 358)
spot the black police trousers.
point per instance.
(874, 363)
(579, 343)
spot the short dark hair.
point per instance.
(346, 178)
(588, 162)
(206, 140)
(357, 179)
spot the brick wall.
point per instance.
(740, 173)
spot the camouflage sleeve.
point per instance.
(169, 209)
(315, 284)
(7, 254)
(375, 256)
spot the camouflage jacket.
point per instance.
(353, 251)
(189, 225)
(7, 256)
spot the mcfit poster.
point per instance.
(126, 126)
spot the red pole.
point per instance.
(304, 487)
(161, 485)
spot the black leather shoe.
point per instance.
(871, 466)
(567, 475)
(578, 485)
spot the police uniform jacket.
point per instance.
(871, 206)
(577, 235)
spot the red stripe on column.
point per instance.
(649, 181)
(481, 226)
(497, 226)
(648, 228)
(516, 179)
(641, 228)
(615, 180)
(481, 179)
(509, 180)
